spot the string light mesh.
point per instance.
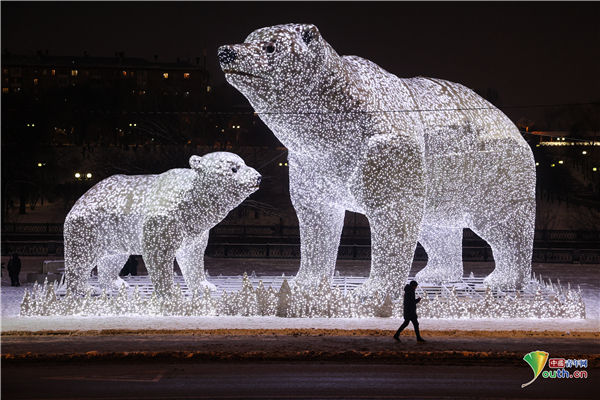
(161, 217)
(422, 158)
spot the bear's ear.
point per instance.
(196, 162)
(310, 34)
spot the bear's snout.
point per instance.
(226, 55)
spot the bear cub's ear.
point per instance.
(196, 162)
(309, 34)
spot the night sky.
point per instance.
(532, 53)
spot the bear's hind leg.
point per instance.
(444, 252)
(512, 242)
(108, 271)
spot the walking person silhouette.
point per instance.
(410, 311)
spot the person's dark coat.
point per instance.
(14, 266)
(410, 303)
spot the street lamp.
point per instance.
(88, 175)
(77, 175)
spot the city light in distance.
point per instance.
(584, 152)
(560, 162)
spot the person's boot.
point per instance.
(396, 338)
(418, 333)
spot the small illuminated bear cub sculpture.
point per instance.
(161, 217)
(422, 158)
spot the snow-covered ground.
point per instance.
(585, 276)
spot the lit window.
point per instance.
(584, 152)
(4, 90)
(208, 89)
(165, 75)
(186, 75)
(553, 165)
(53, 72)
(40, 164)
(74, 72)
(124, 73)
(594, 169)
(36, 81)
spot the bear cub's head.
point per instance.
(282, 58)
(227, 175)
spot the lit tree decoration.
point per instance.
(284, 299)
(459, 301)
(162, 217)
(422, 158)
(245, 300)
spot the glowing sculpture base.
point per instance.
(273, 296)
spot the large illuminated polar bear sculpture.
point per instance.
(422, 158)
(161, 217)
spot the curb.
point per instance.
(392, 357)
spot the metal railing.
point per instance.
(241, 230)
(345, 252)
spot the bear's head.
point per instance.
(278, 64)
(227, 176)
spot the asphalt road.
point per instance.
(187, 380)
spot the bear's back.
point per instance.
(448, 117)
(115, 195)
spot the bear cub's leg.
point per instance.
(159, 241)
(190, 257)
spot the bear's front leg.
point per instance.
(320, 231)
(320, 221)
(160, 239)
(393, 194)
(190, 257)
